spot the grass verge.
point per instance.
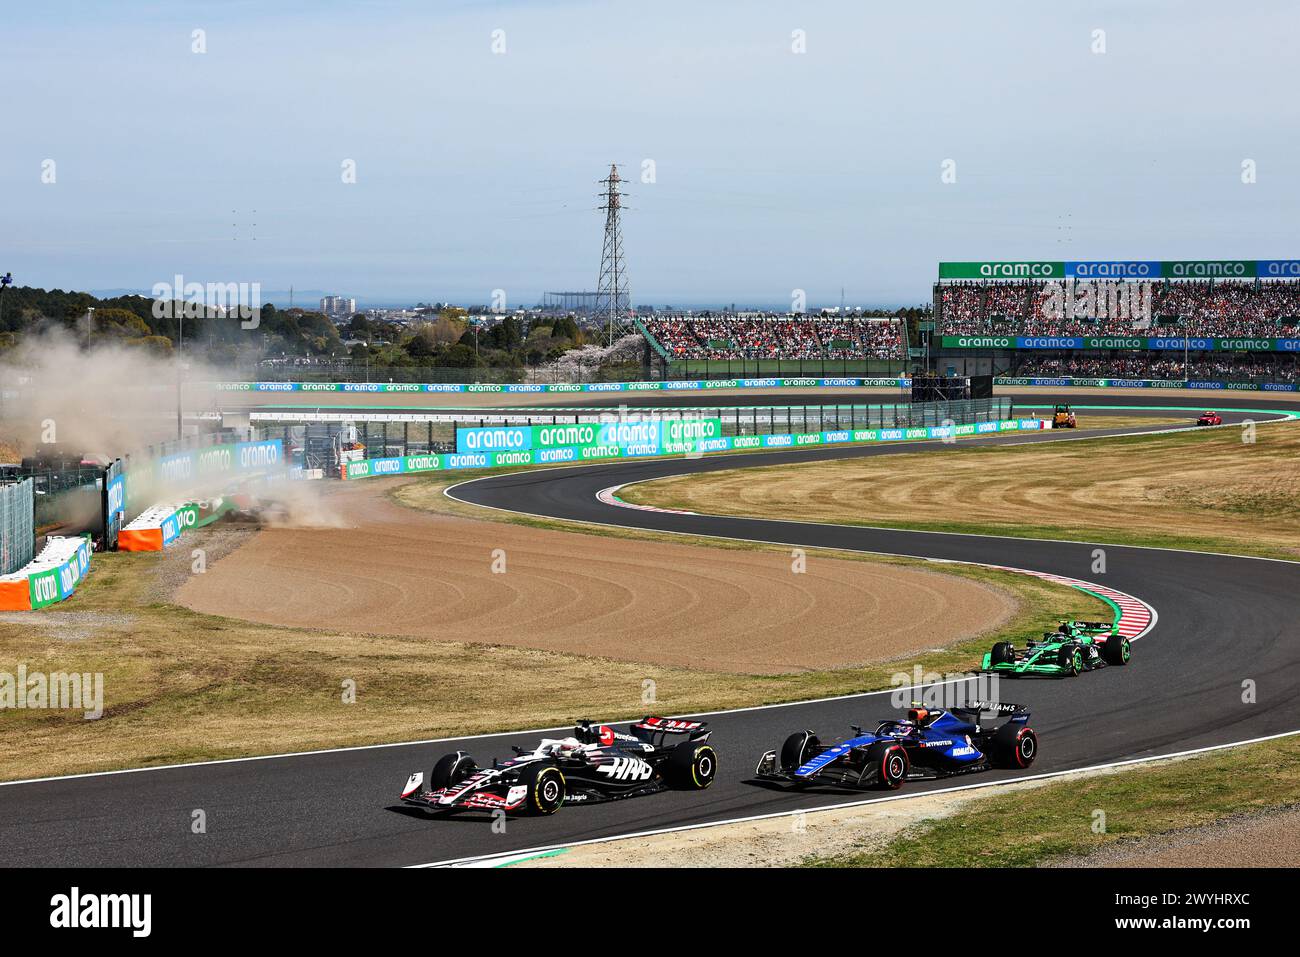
(1057, 821)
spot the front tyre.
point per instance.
(1071, 660)
(451, 770)
(891, 764)
(798, 748)
(1003, 653)
(691, 767)
(1116, 650)
(546, 788)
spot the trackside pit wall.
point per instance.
(512, 457)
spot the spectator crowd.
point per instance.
(1263, 367)
(1219, 308)
(777, 337)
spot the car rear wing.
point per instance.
(1016, 712)
(655, 730)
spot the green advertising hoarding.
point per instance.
(1002, 270)
(639, 436)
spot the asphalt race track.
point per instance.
(1222, 620)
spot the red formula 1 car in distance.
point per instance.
(1210, 418)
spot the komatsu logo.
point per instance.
(627, 769)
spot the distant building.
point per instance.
(338, 306)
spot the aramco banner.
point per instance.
(628, 438)
(1154, 343)
(1125, 269)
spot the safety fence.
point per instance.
(17, 529)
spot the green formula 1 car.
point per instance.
(1075, 646)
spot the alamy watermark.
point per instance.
(58, 690)
(936, 691)
(237, 300)
(1096, 299)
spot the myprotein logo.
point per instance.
(194, 300)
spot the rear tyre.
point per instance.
(890, 762)
(797, 749)
(1070, 659)
(691, 767)
(1014, 746)
(546, 788)
(451, 770)
(1003, 653)
(1116, 650)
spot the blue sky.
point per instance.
(774, 170)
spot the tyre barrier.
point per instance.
(50, 577)
(158, 526)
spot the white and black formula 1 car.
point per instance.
(596, 763)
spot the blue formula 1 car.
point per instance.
(926, 744)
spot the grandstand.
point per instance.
(768, 343)
(1225, 320)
